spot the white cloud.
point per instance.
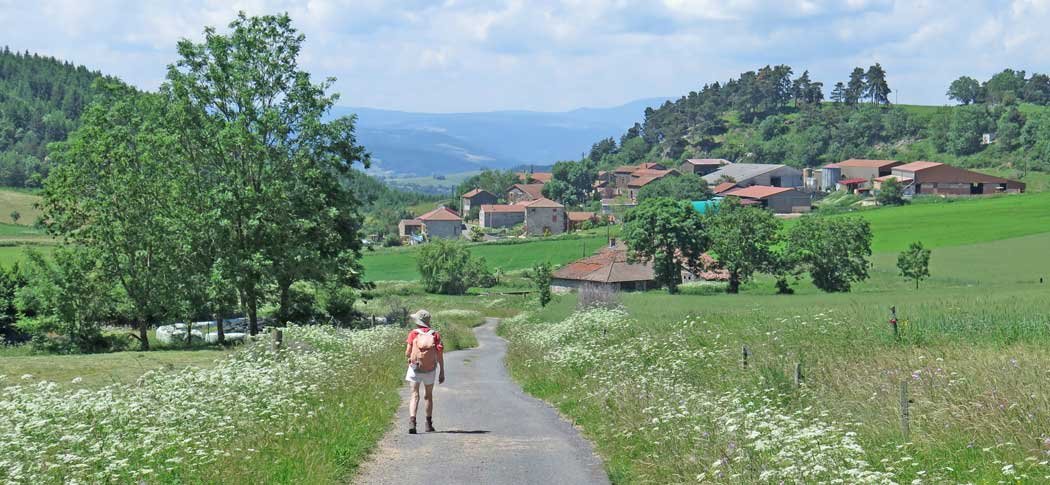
(548, 54)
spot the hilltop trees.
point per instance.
(669, 233)
(965, 90)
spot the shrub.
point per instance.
(391, 240)
(447, 267)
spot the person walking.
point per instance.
(425, 356)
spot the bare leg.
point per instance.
(414, 402)
(429, 398)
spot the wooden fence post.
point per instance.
(905, 413)
(798, 375)
(893, 323)
(744, 353)
(278, 339)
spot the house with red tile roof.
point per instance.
(524, 192)
(442, 223)
(544, 217)
(611, 269)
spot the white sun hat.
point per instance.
(422, 318)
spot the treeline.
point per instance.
(41, 101)
(224, 193)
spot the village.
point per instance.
(523, 211)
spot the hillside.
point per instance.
(777, 115)
(423, 144)
(41, 99)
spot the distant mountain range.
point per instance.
(422, 144)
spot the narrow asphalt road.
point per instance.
(488, 431)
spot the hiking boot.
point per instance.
(411, 425)
(430, 425)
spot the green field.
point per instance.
(97, 370)
(676, 402)
(21, 200)
(392, 264)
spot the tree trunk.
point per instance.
(253, 315)
(734, 283)
(143, 334)
(220, 333)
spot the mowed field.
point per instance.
(973, 351)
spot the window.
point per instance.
(554, 218)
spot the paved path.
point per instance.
(489, 431)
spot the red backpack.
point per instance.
(424, 351)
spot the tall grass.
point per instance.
(975, 362)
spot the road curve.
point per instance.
(489, 431)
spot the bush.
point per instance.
(303, 304)
(391, 240)
(447, 267)
(339, 304)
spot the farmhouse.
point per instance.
(938, 178)
(781, 200)
(746, 174)
(524, 193)
(544, 217)
(495, 216)
(476, 198)
(702, 166)
(608, 269)
(442, 223)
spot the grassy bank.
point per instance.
(661, 389)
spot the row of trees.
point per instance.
(214, 195)
(1006, 86)
(747, 240)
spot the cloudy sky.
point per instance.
(475, 55)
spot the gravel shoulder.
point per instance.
(489, 431)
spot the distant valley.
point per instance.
(423, 144)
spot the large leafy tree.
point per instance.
(668, 233)
(743, 240)
(891, 192)
(834, 250)
(965, 90)
(682, 187)
(572, 182)
(116, 191)
(253, 124)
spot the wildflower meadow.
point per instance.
(253, 417)
(664, 390)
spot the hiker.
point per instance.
(424, 353)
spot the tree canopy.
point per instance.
(670, 234)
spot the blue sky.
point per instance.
(464, 55)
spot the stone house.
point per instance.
(524, 193)
(475, 198)
(544, 217)
(494, 216)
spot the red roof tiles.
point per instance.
(440, 214)
(917, 166)
(758, 191)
